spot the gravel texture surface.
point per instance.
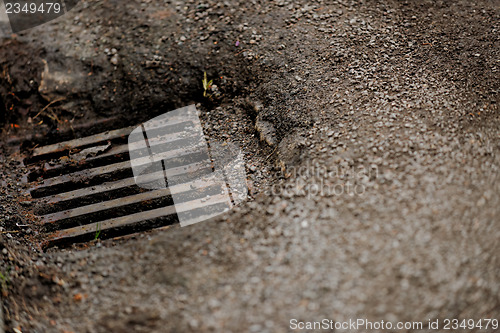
(372, 136)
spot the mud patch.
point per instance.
(19, 73)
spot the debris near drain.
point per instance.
(56, 81)
(267, 131)
(90, 152)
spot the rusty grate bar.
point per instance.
(85, 187)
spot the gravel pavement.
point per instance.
(376, 176)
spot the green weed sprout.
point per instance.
(97, 231)
(206, 85)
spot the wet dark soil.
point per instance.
(409, 89)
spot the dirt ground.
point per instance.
(383, 115)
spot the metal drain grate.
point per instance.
(87, 187)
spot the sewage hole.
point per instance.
(75, 196)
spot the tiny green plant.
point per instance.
(97, 231)
(206, 85)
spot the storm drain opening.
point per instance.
(72, 133)
(133, 179)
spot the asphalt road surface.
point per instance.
(384, 115)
